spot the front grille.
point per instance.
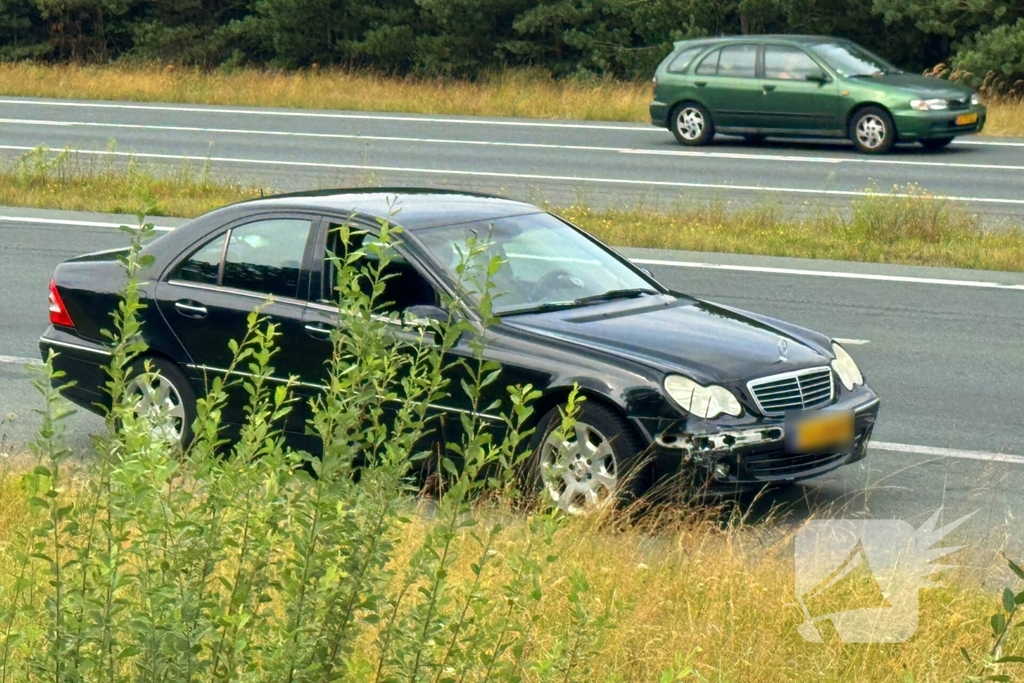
(956, 105)
(800, 390)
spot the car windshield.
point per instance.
(851, 61)
(543, 264)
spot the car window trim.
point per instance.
(223, 289)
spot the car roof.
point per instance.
(410, 208)
(771, 37)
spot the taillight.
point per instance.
(58, 313)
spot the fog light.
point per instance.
(721, 470)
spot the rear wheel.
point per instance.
(935, 144)
(692, 124)
(590, 468)
(872, 130)
(165, 397)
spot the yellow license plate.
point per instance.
(827, 430)
(966, 119)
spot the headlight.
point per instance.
(701, 401)
(975, 100)
(929, 105)
(849, 373)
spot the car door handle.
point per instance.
(319, 331)
(768, 88)
(700, 84)
(190, 309)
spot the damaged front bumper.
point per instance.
(745, 456)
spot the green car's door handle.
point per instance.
(768, 87)
(700, 84)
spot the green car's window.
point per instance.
(709, 65)
(683, 59)
(738, 61)
(851, 60)
(788, 63)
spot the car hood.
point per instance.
(925, 87)
(706, 341)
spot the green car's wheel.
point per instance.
(872, 130)
(692, 124)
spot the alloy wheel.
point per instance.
(578, 471)
(160, 402)
(690, 123)
(871, 131)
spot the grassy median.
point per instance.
(915, 229)
(522, 93)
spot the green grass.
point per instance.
(525, 93)
(914, 229)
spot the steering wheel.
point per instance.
(559, 278)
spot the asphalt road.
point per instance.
(942, 347)
(557, 161)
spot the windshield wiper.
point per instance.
(610, 295)
(613, 294)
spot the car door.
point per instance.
(726, 83)
(206, 298)
(406, 284)
(799, 96)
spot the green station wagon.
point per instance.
(756, 86)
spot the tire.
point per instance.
(935, 144)
(576, 483)
(872, 130)
(167, 386)
(754, 140)
(692, 125)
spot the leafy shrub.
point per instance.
(247, 560)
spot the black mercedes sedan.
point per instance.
(685, 385)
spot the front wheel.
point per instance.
(692, 124)
(872, 130)
(935, 144)
(590, 468)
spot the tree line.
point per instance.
(976, 39)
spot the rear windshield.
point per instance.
(682, 60)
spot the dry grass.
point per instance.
(687, 595)
(915, 230)
(524, 93)
(512, 93)
(65, 181)
(722, 602)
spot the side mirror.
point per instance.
(421, 315)
(819, 77)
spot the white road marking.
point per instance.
(531, 176)
(825, 160)
(703, 154)
(852, 342)
(335, 115)
(531, 123)
(17, 360)
(831, 273)
(81, 224)
(987, 456)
